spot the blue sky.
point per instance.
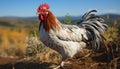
(26, 8)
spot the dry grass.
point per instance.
(12, 41)
(111, 34)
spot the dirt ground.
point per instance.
(101, 61)
(16, 63)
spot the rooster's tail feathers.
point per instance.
(94, 25)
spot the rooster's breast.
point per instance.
(48, 38)
(65, 48)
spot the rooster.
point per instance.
(68, 40)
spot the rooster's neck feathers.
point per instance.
(50, 23)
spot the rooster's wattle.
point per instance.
(70, 39)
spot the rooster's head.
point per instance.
(43, 11)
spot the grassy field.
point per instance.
(12, 41)
(13, 34)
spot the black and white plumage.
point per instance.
(94, 25)
(70, 39)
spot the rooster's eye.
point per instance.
(46, 12)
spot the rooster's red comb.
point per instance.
(44, 6)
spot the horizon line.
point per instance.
(57, 16)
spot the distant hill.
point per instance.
(111, 16)
(30, 21)
(19, 22)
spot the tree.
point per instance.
(67, 19)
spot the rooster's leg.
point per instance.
(60, 65)
(63, 65)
